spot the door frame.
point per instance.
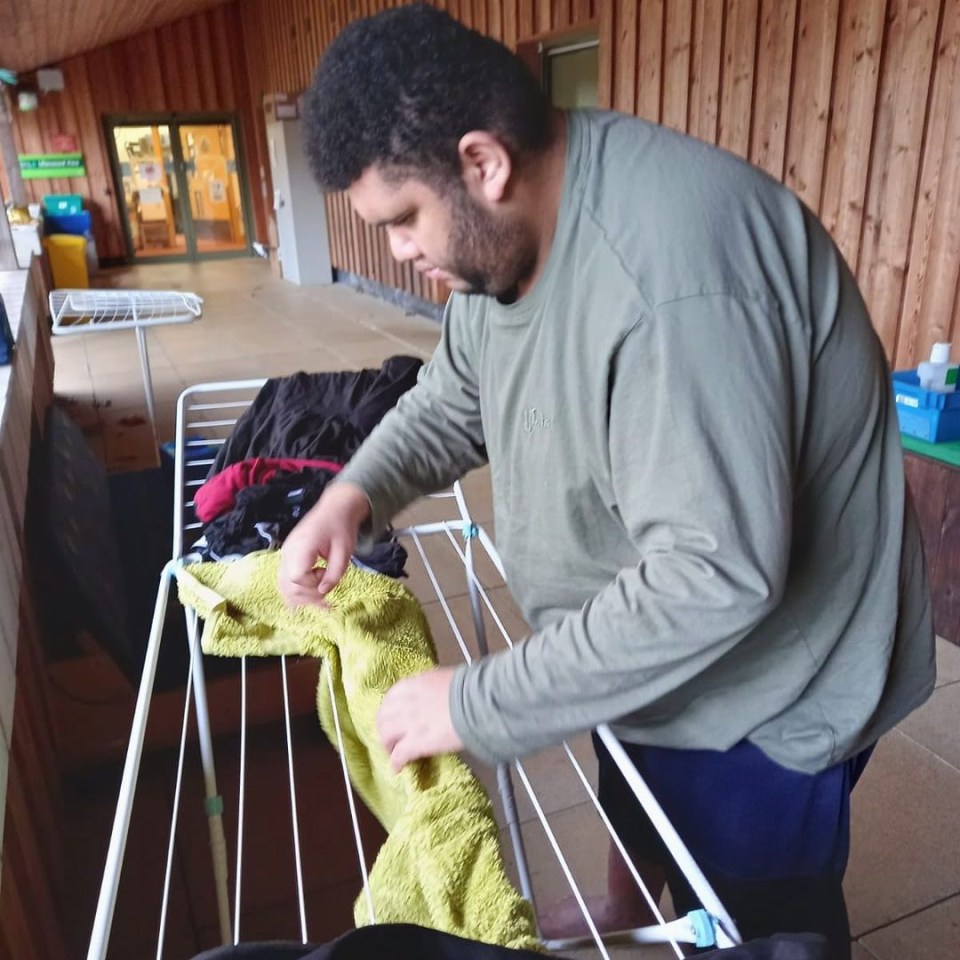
(174, 121)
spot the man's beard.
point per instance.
(489, 254)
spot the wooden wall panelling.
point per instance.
(173, 79)
(739, 65)
(929, 310)
(928, 482)
(561, 14)
(302, 48)
(337, 229)
(254, 146)
(511, 31)
(478, 15)
(824, 94)
(605, 56)
(29, 140)
(372, 246)
(810, 99)
(859, 49)
(495, 20)
(649, 77)
(625, 56)
(26, 932)
(705, 70)
(249, 86)
(772, 85)
(220, 56)
(134, 78)
(35, 741)
(297, 41)
(542, 16)
(32, 849)
(345, 243)
(944, 586)
(294, 45)
(678, 35)
(935, 490)
(895, 164)
(525, 18)
(100, 193)
(149, 63)
(16, 939)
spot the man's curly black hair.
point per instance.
(398, 90)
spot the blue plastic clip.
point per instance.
(470, 531)
(702, 926)
(213, 806)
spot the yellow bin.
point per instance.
(68, 260)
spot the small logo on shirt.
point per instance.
(533, 419)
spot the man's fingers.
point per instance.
(337, 560)
(397, 758)
(403, 753)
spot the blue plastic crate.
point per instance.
(77, 224)
(930, 416)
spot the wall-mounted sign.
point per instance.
(42, 166)
(64, 143)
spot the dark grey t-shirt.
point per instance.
(698, 483)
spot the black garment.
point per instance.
(264, 514)
(385, 556)
(317, 416)
(279, 503)
(402, 941)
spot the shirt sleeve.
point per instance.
(700, 446)
(431, 437)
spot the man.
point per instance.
(698, 488)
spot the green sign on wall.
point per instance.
(42, 166)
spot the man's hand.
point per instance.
(414, 718)
(328, 530)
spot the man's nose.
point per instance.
(401, 245)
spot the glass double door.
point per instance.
(180, 186)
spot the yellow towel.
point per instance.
(441, 865)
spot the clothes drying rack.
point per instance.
(99, 311)
(206, 415)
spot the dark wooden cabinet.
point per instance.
(935, 487)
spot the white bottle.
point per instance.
(939, 374)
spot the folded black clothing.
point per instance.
(404, 941)
(317, 416)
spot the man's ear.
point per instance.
(486, 165)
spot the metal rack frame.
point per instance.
(214, 408)
(99, 311)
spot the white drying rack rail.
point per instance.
(98, 311)
(206, 415)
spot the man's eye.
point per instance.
(403, 219)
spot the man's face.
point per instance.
(447, 236)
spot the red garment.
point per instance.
(219, 493)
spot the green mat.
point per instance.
(946, 452)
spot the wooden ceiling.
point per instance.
(38, 33)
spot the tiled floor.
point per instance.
(903, 884)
